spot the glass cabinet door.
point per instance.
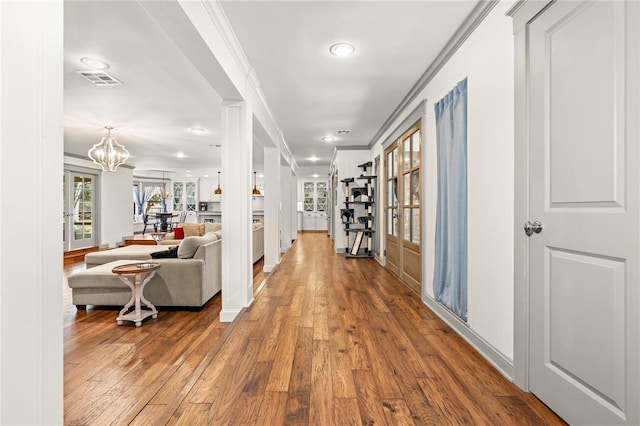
(190, 196)
(321, 189)
(309, 200)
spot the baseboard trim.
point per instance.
(228, 315)
(488, 352)
(269, 268)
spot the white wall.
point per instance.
(346, 163)
(486, 59)
(115, 203)
(116, 206)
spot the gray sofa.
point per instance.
(184, 282)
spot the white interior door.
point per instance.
(80, 211)
(584, 161)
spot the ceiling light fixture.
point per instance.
(180, 155)
(197, 130)
(328, 139)
(218, 190)
(342, 49)
(108, 154)
(95, 64)
(315, 176)
(313, 158)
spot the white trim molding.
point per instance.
(522, 13)
(469, 25)
(228, 315)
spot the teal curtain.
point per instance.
(450, 277)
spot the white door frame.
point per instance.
(526, 11)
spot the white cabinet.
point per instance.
(185, 195)
(314, 196)
(206, 190)
(314, 221)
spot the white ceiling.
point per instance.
(311, 93)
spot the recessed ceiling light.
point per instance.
(329, 139)
(344, 132)
(187, 171)
(206, 175)
(95, 64)
(197, 130)
(313, 158)
(315, 176)
(260, 175)
(342, 49)
(180, 154)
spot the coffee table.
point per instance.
(136, 276)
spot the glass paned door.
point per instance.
(391, 209)
(402, 204)
(79, 216)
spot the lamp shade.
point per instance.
(108, 154)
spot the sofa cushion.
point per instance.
(178, 233)
(212, 227)
(189, 246)
(132, 252)
(218, 234)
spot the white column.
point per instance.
(237, 271)
(31, 159)
(285, 234)
(271, 208)
(293, 207)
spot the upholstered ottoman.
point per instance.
(100, 286)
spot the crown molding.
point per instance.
(221, 21)
(469, 25)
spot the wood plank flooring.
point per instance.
(327, 341)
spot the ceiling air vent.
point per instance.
(99, 78)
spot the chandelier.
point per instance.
(108, 154)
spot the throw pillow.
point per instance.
(190, 245)
(172, 253)
(178, 233)
(193, 229)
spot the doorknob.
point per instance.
(530, 228)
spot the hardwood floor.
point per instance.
(328, 341)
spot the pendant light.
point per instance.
(255, 191)
(218, 190)
(108, 154)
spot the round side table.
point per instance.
(136, 276)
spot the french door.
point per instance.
(583, 210)
(402, 208)
(79, 216)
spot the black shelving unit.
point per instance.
(358, 214)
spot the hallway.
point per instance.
(327, 341)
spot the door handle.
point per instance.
(531, 228)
